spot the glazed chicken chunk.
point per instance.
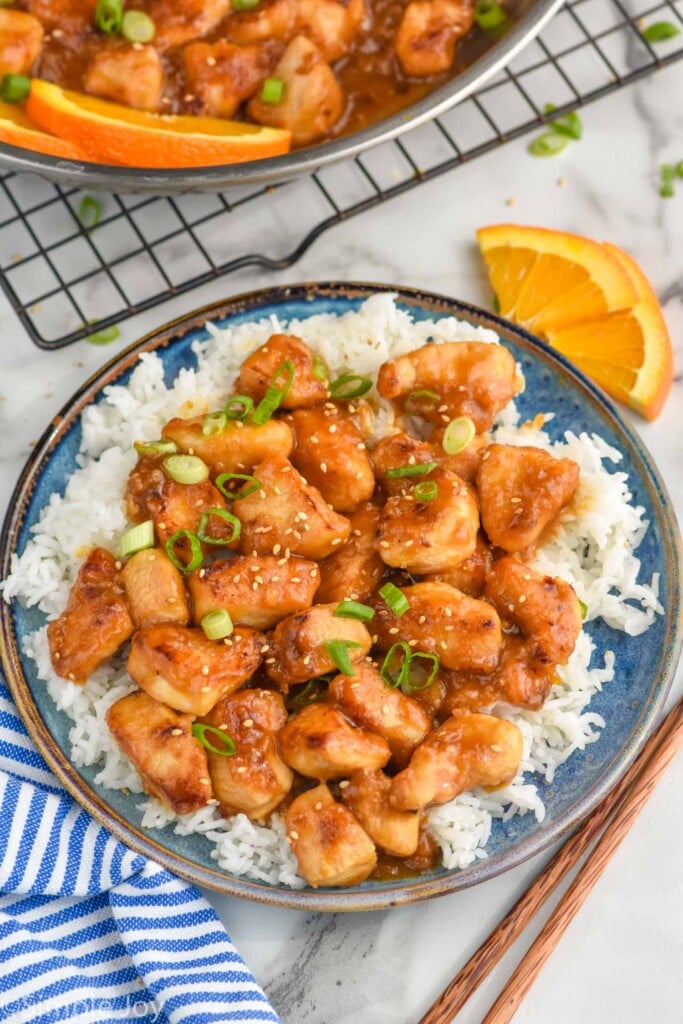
(400, 450)
(330, 845)
(21, 37)
(331, 24)
(307, 381)
(320, 743)
(70, 16)
(152, 494)
(222, 74)
(545, 608)
(366, 793)
(130, 75)
(434, 535)
(463, 632)
(154, 588)
(288, 511)
(159, 742)
(521, 491)
(95, 622)
(468, 750)
(470, 575)
(313, 100)
(426, 38)
(355, 569)
(254, 780)
(299, 644)
(269, 20)
(472, 378)
(237, 448)
(178, 23)
(255, 592)
(330, 452)
(522, 679)
(369, 702)
(189, 672)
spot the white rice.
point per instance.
(593, 549)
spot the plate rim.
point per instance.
(405, 891)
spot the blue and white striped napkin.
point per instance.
(92, 932)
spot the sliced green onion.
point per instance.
(150, 448)
(89, 212)
(412, 681)
(488, 14)
(109, 16)
(217, 625)
(416, 400)
(660, 31)
(286, 368)
(196, 554)
(311, 692)
(185, 469)
(137, 538)
(267, 406)
(245, 5)
(458, 435)
(667, 175)
(388, 673)
(419, 469)
(227, 747)
(569, 124)
(548, 144)
(222, 480)
(344, 388)
(320, 370)
(238, 407)
(214, 423)
(354, 610)
(395, 599)
(104, 336)
(679, 169)
(426, 491)
(272, 91)
(338, 651)
(227, 517)
(138, 27)
(15, 88)
(584, 608)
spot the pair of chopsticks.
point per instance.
(615, 814)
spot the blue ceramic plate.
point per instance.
(630, 704)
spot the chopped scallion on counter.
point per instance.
(569, 124)
(185, 469)
(137, 538)
(660, 31)
(217, 624)
(548, 144)
(667, 174)
(196, 557)
(227, 746)
(227, 517)
(395, 599)
(89, 212)
(354, 610)
(338, 651)
(104, 336)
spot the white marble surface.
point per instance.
(621, 958)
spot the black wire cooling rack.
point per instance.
(61, 278)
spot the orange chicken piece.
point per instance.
(331, 847)
(367, 795)
(308, 381)
(320, 743)
(155, 591)
(298, 644)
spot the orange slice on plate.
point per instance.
(16, 129)
(114, 134)
(591, 301)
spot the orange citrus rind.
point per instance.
(17, 129)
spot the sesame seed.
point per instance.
(202, 573)
(297, 534)
(384, 544)
(188, 97)
(356, 533)
(314, 439)
(236, 578)
(205, 670)
(448, 612)
(360, 446)
(422, 620)
(412, 460)
(344, 784)
(270, 661)
(323, 467)
(223, 725)
(527, 576)
(274, 579)
(409, 543)
(204, 781)
(443, 645)
(318, 806)
(385, 709)
(412, 643)
(171, 600)
(394, 630)
(265, 649)
(263, 529)
(117, 565)
(287, 552)
(522, 598)
(241, 770)
(176, 732)
(277, 490)
(211, 61)
(72, 677)
(277, 548)
(485, 456)
(254, 586)
(56, 656)
(337, 540)
(333, 428)
(262, 494)
(511, 607)
(293, 835)
(281, 561)
(227, 642)
(295, 579)
(354, 686)
(205, 689)
(516, 501)
(248, 722)
(314, 572)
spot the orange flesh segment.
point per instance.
(17, 129)
(571, 291)
(135, 138)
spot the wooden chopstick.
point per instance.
(635, 785)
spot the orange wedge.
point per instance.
(16, 129)
(591, 301)
(115, 134)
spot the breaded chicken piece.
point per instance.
(332, 456)
(366, 793)
(159, 742)
(95, 622)
(237, 448)
(319, 742)
(154, 588)
(331, 847)
(307, 374)
(298, 648)
(129, 75)
(222, 74)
